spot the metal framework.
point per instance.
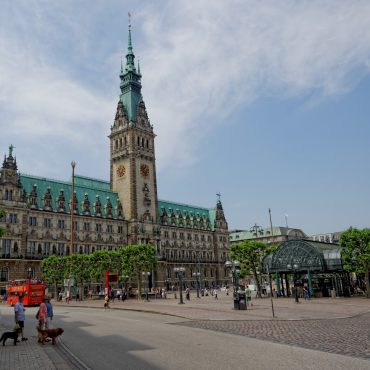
(309, 256)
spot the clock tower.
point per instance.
(132, 158)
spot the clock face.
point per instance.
(121, 170)
(144, 170)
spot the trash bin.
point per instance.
(236, 303)
(242, 301)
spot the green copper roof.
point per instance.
(83, 185)
(201, 218)
(239, 235)
(130, 83)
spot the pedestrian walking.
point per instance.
(42, 316)
(106, 301)
(49, 308)
(248, 294)
(187, 291)
(20, 316)
(215, 294)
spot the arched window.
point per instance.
(125, 140)
(6, 195)
(142, 142)
(54, 249)
(116, 144)
(4, 274)
(39, 249)
(147, 143)
(10, 194)
(15, 248)
(138, 141)
(80, 250)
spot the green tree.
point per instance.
(102, 261)
(250, 253)
(355, 246)
(2, 231)
(78, 267)
(54, 269)
(137, 259)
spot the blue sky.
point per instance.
(265, 102)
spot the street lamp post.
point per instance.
(73, 164)
(234, 267)
(197, 275)
(180, 271)
(272, 302)
(146, 275)
(295, 268)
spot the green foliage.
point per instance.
(54, 269)
(2, 231)
(102, 261)
(250, 253)
(78, 267)
(138, 258)
(355, 246)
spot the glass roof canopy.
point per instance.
(303, 256)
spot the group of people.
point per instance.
(44, 314)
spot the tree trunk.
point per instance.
(259, 293)
(367, 281)
(138, 295)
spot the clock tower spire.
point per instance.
(132, 156)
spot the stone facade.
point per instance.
(110, 215)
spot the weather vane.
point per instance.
(129, 19)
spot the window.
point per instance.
(174, 235)
(61, 224)
(75, 225)
(31, 249)
(5, 248)
(32, 221)
(195, 236)
(189, 236)
(209, 238)
(4, 274)
(166, 234)
(120, 229)
(86, 226)
(202, 238)
(60, 249)
(47, 248)
(3, 218)
(47, 222)
(13, 218)
(181, 235)
(109, 228)
(97, 228)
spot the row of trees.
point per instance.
(128, 261)
(355, 252)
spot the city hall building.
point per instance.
(109, 215)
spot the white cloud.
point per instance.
(200, 62)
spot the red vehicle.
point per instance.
(33, 291)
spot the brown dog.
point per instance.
(49, 333)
